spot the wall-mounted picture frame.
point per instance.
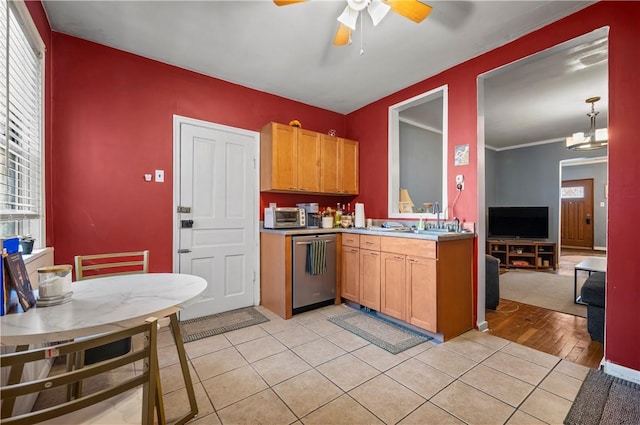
(462, 155)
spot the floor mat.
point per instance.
(202, 327)
(389, 336)
(604, 399)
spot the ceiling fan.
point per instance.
(410, 9)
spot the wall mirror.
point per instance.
(418, 156)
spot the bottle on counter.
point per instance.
(338, 217)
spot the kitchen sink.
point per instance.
(431, 231)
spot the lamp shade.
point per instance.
(349, 17)
(594, 139)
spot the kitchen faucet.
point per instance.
(436, 211)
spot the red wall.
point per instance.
(369, 125)
(113, 115)
(110, 121)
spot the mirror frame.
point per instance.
(393, 210)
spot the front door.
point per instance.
(576, 227)
(216, 213)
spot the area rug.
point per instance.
(546, 290)
(202, 327)
(385, 334)
(604, 399)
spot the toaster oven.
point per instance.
(284, 218)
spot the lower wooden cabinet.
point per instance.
(422, 290)
(350, 273)
(425, 283)
(393, 287)
(370, 279)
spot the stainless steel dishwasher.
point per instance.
(311, 291)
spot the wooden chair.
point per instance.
(111, 264)
(98, 265)
(121, 390)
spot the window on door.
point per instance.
(21, 141)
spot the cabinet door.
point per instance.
(351, 274)
(329, 164)
(284, 160)
(422, 287)
(393, 293)
(348, 159)
(370, 279)
(308, 161)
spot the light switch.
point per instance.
(159, 176)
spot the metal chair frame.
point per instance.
(149, 379)
(95, 263)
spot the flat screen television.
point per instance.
(518, 222)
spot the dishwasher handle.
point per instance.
(309, 243)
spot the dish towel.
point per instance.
(316, 257)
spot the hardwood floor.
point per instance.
(560, 334)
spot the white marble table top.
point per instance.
(594, 264)
(101, 305)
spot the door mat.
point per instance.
(202, 327)
(604, 399)
(383, 333)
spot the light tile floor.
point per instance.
(307, 370)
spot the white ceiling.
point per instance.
(288, 51)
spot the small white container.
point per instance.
(54, 281)
(327, 222)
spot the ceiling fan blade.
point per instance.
(343, 35)
(287, 2)
(411, 9)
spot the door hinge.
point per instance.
(184, 251)
(185, 210)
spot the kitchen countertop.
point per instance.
(378, 231)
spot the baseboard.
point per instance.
(623, 372)
(483, 326)
(599, 248)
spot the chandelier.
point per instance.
(595, 138)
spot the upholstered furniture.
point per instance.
(592, 294)
(492, 282)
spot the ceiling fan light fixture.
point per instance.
(349, 17)
(595, 138)
(378, 10)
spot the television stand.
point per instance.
(524, 254)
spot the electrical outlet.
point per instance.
(460, 182)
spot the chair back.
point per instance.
(115, 388)
(117, 263)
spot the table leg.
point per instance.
(575, 286)
(576, 298)
(184, 364)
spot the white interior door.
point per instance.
(217, 238)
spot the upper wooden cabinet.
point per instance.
(339, 165)
(297, 160)
(289, 159)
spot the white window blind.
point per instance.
(20, 124)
